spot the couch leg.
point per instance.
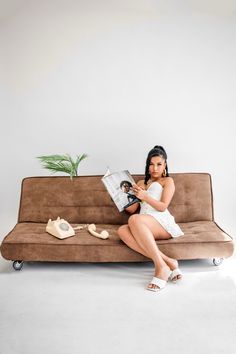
(17, 265)
(217, 261)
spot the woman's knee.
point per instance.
(122, 231)
(134, 220)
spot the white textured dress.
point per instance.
(166, 220)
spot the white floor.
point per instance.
(104, 308)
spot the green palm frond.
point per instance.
(62, 163)
(79, 159)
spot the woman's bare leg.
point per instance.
(127, 237)
(142, 229)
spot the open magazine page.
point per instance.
(119, 186)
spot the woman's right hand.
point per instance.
(139, 192)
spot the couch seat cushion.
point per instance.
(30, 241)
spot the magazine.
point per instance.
(119, 186)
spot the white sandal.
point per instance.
(175, 274)
(159, 282)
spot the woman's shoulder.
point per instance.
(168, 181)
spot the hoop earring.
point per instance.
(164, 173)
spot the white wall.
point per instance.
(113, 79)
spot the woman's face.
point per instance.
(157, 166)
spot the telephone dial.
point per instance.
(61, 229)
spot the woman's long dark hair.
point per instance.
(156, 151)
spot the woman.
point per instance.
(154, 222)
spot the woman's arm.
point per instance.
(167, 195)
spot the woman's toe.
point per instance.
(177, 277)
(152, 286)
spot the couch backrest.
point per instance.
(85, 199)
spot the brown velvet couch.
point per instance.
(85, 200)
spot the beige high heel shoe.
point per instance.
(161, 283)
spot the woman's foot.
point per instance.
(162, 274)
(176, 273)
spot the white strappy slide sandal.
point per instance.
(159, 282)
(174, 274)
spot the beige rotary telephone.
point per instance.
(61, 229)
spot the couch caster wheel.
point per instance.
(217, 261)
(17, 265)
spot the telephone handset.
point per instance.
(61, 229)
(92, 230)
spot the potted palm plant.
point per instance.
(62, 163)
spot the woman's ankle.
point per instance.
(162, 272)
(172, 263)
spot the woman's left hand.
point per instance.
(139, 192)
